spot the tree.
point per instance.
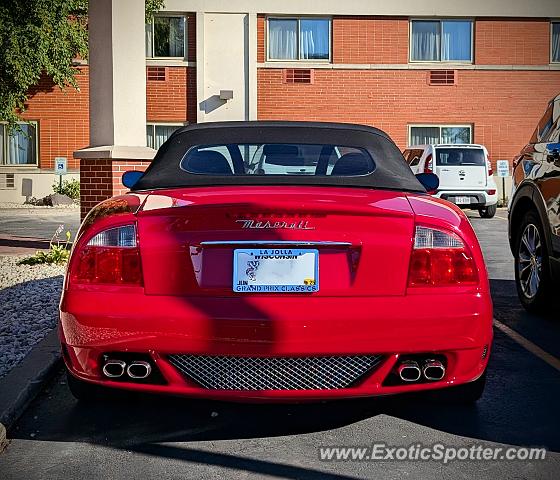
(41, 37)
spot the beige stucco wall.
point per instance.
(42, 183)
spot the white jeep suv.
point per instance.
(464, 171)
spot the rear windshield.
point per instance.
(277, 159)
(279, 153)
(460, 156)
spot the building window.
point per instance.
(18, 147)
(426, 134)
(165, 37)
(441, 41)
(299, 38)
(157, 134)
(555, 42)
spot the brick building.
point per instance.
(430, 70)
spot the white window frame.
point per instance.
(163, 124)
(552, 22)
(186, 43)
(440, 20)
(298, 19)
(4, 147)
(470, 126)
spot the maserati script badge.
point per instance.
(301, 225)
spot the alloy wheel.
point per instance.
(530, 261)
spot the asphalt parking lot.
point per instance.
(175, 438)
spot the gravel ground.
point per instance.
(28, 206)
(29, 297)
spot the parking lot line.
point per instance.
(528, 345)
(503, 218)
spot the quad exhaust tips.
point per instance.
(114, 368)
(431, 370)
(136, 370)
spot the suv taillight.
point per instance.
(428, 165)
(489, 166)
(110, 257)
(440, 259)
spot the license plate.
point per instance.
(462, 200)
(276, 270)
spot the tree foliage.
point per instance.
(41, 37)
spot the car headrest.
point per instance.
(208, 162)
(280, 149)
(352, 164)
(454, 158)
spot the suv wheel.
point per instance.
(488, 212)
(532, 274)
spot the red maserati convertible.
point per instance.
(277, 261)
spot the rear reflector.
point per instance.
(440, 259)
(110, 257)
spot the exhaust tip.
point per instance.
(114, 368)
(433, 370)
(139, 369)
(409, 371)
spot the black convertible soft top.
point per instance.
(391, 171)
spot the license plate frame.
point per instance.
(274, 266)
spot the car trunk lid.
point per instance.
(188, 237)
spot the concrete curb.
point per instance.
(26, 380)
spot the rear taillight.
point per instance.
(440, 259)
(110, 257)
(492, 191)
(429, 166)
(489, 166)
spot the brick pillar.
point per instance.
(100, 178)
(95, 183)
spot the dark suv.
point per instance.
(534, 214)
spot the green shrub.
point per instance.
(70, 188)
(57, 253)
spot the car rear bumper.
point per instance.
(457, 327)
(479, 199)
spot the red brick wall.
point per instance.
(63, 119)
(504, 106)
(261, 38)
(167, 100)
(370, 39)
(121, 166)
(191, 37)
(512, 42)
(174, 100)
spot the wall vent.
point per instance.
(156, 74)
(442, 77)
(7, 181)
(298, 75)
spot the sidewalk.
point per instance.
(23, 230)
